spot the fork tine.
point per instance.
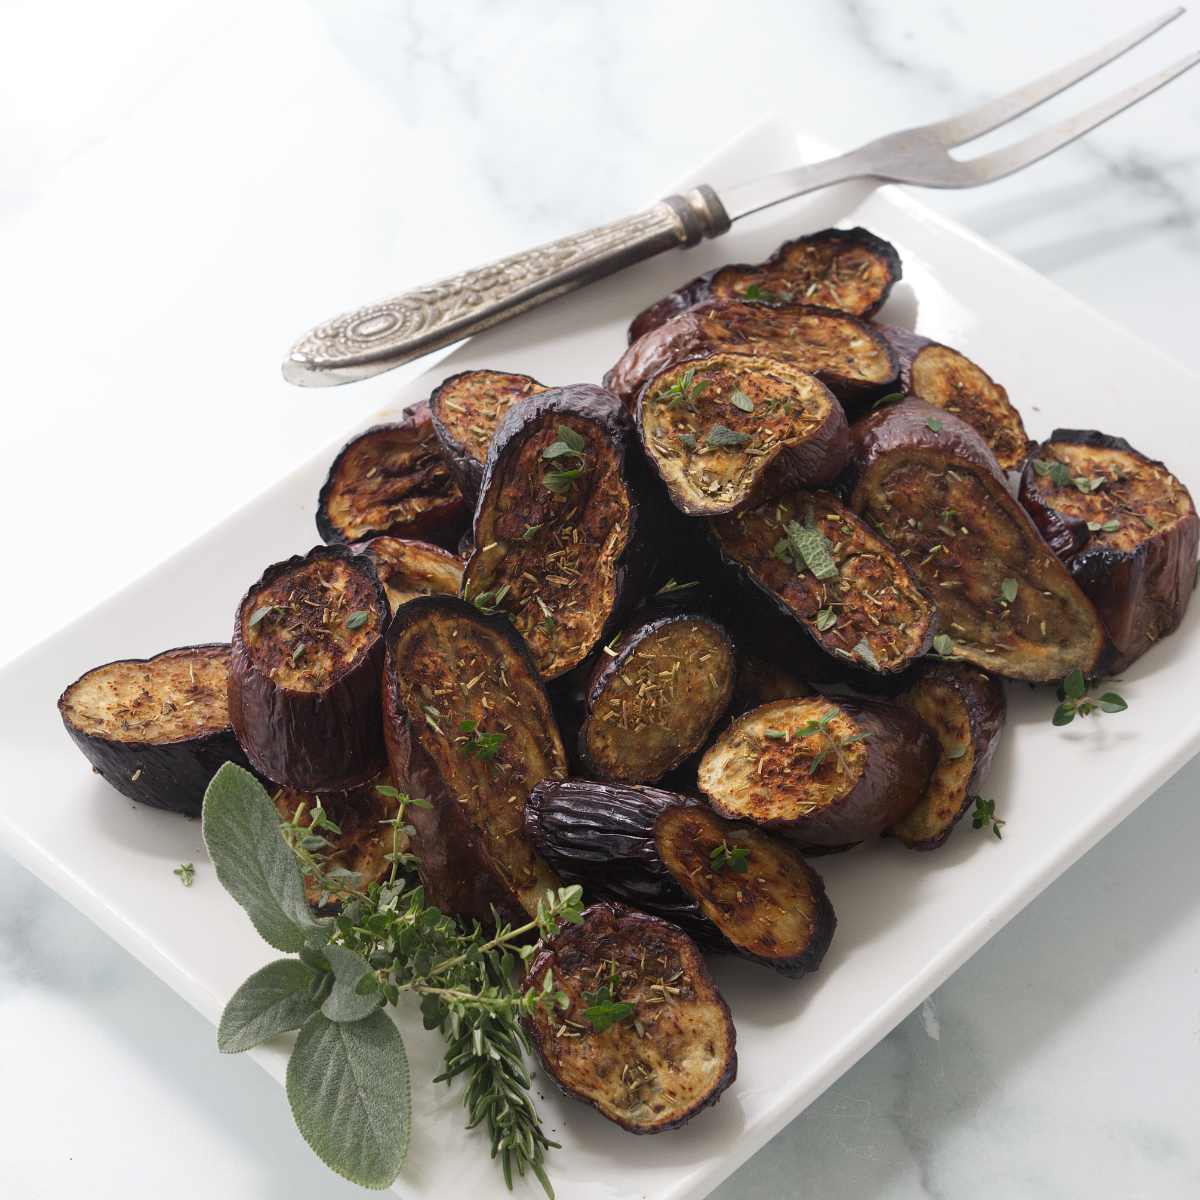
(966, 126)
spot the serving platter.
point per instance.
(906, 920)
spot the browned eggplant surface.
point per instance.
(304, 678)
(927, 482)
(470, 729)
(408, 569)
(156, 729)
(647, 1040)
(1126, 528)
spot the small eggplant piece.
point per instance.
(655, 696)
(408, 569)
(670, 1049)
(929, 484)
(304, 677)
(470, 729)
(467, 410)
(848, 355)
(732, 887)
(556, 530)
(156, 729)
(850, 270)
(966, 710)
(827, 773)
(760, 680)
(865, 608)
(728, 431)
(394, 480)
(1127, 530)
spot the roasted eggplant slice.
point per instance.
(469, 728)
(395, 480)
(655, 696)
(304, 677)
(966, 709)
(647, 1039)
(851, 357)
(826, 569)
(408, 569)
(827, 773)
(927, 481)
(467, 410)
(556, 548)
(156, 728)
(730, 430)
(733, 887)
(1127, 530)
(760, 680)
(850, 270)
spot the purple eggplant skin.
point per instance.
(169, 775)
(329, 740)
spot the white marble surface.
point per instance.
(142, 144)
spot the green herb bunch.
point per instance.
(1075, 702)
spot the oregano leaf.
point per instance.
(272, 1001)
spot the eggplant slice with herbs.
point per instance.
(408, 569)
(307, 657)
(929, 484)
(850, 270)
(647, 1039)
(156, 729)
(733, 887)
(470, 730)
(1127, 530)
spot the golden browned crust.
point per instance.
(408, 569)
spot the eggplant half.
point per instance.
(408, 569)
(928, 482)
(156, 729)
(647, 1039)
(394, 480)
(556, 529)
(760, 680)
(827, 570)
(850, 356)
(469, 729)
(467, 410)
(733, 887)
(966, 710)
(727, 431)
(655, 696)
(827, 773)
(850, 270)
(1127, 530)
(306, 661)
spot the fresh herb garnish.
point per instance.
(985, 814)
(826, 619)
(934, 423)
(688, 440)
(729, 858)
(479, 744)
(490, 602)
(722, 435)
(559, 482)
(943, 644)
(739, 399)
(603, 1008)
(1106, 527)
(890, 398)
(356, 620)
(955, 753)
(807, 548)
(530, 533)
(820, 726)
(1057, 471)
(570, 444)
(260, 614)
(1088, 485)
(673, 585)
(776, 735)
(863, 650)
(1076, 703)
(756, 291)
(186, 873)
(1008, 590)
(298, 650)
(684, 390)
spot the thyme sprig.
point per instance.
(1075, 702)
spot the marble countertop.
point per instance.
(166, 164)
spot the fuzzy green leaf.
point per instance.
(739, 399)
(943, 644)
(272, 1001)
(722, 435)
(808, 545)
(1008, 590)
(345, 1002)
(826, 619)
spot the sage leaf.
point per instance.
(812, 548)
(722, 435)
(739, 399)
(863, 651)
(272, 1001)
(344, 1002)
(943, 644)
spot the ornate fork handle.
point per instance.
(380, 336)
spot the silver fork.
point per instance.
(378, 337)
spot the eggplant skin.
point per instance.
(170, 773)
(328, 739)
(686, 1053)
(761, 680)
(1140, 578)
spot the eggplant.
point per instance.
(856, 599)
(851, 357)
(408, 569)
(393, 480)
(929, 484)
(306, 659)
(733, 887)
(966, 709)
(760, 680)
(850, 270)
(469, 728)
(467, 409)
(1125, 527)
(727, 431)
(655, 696)
(557, 546)
(827, 773)
(156, 729)
(670, 1049)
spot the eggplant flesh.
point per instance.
(156, 729)
(669, 1057)
(1127, 530)
(408, 569)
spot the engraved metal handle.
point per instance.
(381, 336)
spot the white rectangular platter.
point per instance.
(906, 920)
